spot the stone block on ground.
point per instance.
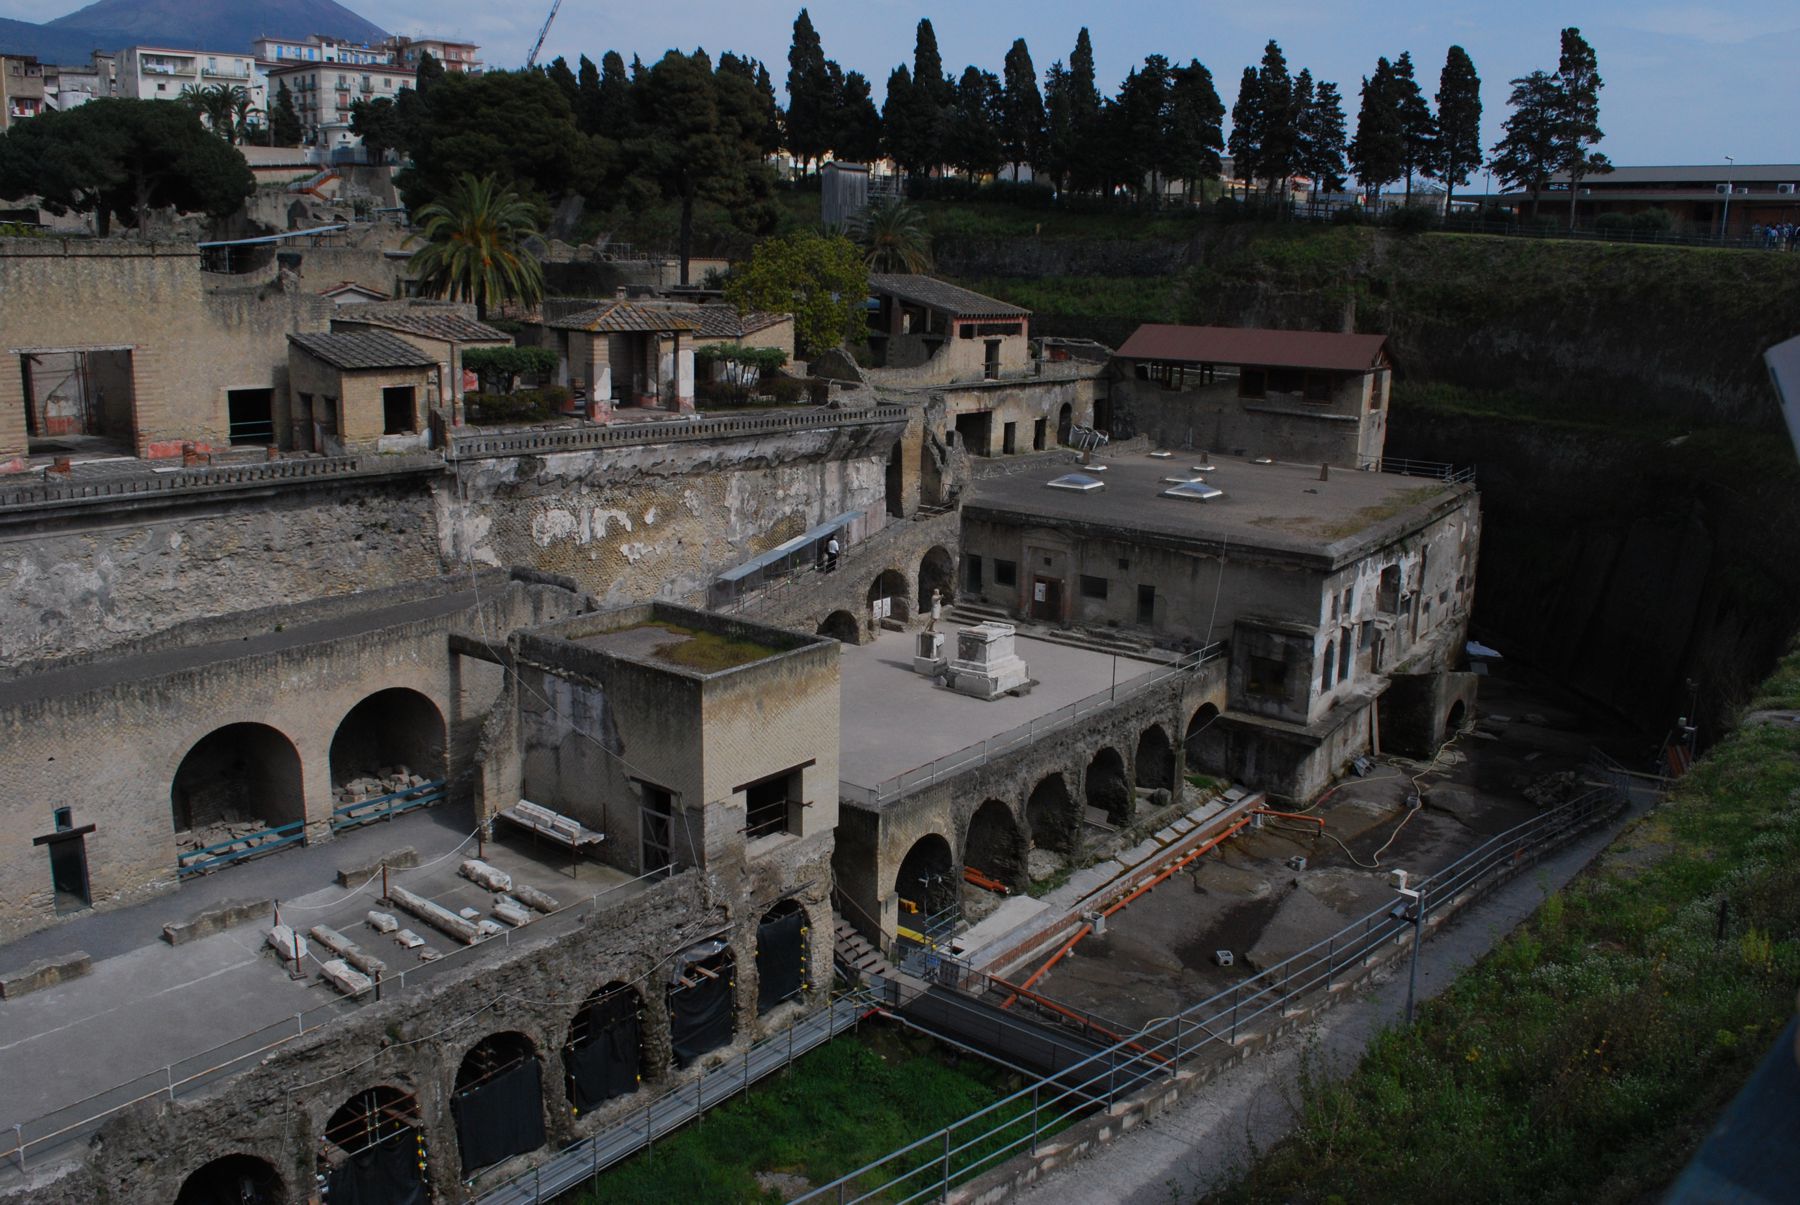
(513, 913)
(345, 978)
(435, 915)
(531, 897)
(489, 928)
(382, 922)
(396, 859)
(216, 919)
(348, 950)
(490, 877)
(45, 973)
(409, 939)
(287, 943)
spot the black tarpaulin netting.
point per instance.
(780, 960)
(700, 1016)
(606, 1064)
(502, 1117)
(384, 1174)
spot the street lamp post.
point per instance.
(1725, 216)
(1411, 908)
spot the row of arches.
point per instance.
(888, 588)
(375, 1147)
(251, 771)
(997, 844)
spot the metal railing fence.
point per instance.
(982, 752)
(473, 445)
(930, 1166)
(1450, 474)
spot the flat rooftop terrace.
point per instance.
(669, 644)
(1274, 506)
(894, 720)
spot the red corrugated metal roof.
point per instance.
(1249, 345)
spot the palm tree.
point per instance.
(473, 246)
(218, 105)
(894, 238)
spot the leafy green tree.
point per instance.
(1021, 110)
(973, 142)
(517, 125)
(428, 73)
(1578, 114)
(1196, 120)
(933, 94)
(1277, 138)
(244, 119)
(810, 111)
(1321, 131)
(616, 114)
(1245, 143)
(500, 367)
(559, 74)
(587, 96)
(1085, 154)
(894, 238)
(908, 125)
(1418, 132)
(377, 122)
(1138, 141)
(284, 122)
(1458, 149)
(123, 159)
(1377, 152)
(474, 245)
(699, 137)
(820, 279)
(1527, 151)
(858, 124)
(771, 136)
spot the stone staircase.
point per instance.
(969, 611)
(855, 957)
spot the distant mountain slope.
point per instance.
(229, 25)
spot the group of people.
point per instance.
(1783, 237)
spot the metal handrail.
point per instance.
(352, 815)
(982, 752)
(1157, 1051)
(476, 445)
(1450, 474)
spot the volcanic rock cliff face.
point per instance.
(1642, 502)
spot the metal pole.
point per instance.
(1412, 984)
(19, 1143)
(1034, 1117)
(944, 1185)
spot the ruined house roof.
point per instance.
(623, 317)
(363, 349)
(444, 323)
(718, 321)
(937, 294)
(1254, 346)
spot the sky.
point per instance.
(1685, 82)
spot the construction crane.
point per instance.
(531, 59)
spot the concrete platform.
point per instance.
(146, 1005)
(894, 720)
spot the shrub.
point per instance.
(1613, 223)
(1350, 215)
(1656, 220)
(500, 367)
(1411, 219)
(818, 389)
(525, 406)
(783, 388)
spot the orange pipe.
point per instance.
(1292, 816)
(1054, 1007)
(986, 882)
(1173, 868)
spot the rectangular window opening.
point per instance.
(656, 819)
(1146, 608)
(773, 805)
(1267, 677)
(1040, 431)
(1006, 573)
(399, 413)
(251, 413)
(1093, 587)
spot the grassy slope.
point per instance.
(843, 1105)
(1588, 1055)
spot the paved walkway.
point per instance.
(1209, 1137)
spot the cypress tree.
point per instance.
(1458, 151)
(1376, 150)
(1246, 129)
(1578, 114)
(1021, 110)
(810, 102)
(1196, 118)
(1417, 129)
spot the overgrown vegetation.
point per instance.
(520, 406)
(843, 1105)
(707, 652)
(1585, 1058)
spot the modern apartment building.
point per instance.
(324, 92)
(161, 73)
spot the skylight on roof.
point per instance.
(1079, 482)
(1194, 491)
(1205, 468)
(1185, 480)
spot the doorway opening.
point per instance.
(399, 410)
(251, 414)
(79, 401)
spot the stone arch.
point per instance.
(233, 1178)
(927, 876)
(1065, 423)
(995, 845)
(702, 1000)
(1107, 787)
(891, 585)
(937, 571)
(1455, 719)
(781, 955)
(394, 728)
(498, 1100)
(373, 1145)
(1051, 813)
(603, 1055)
(1205, 742)
(1155, 759)
(238, 774)
(842, 627)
